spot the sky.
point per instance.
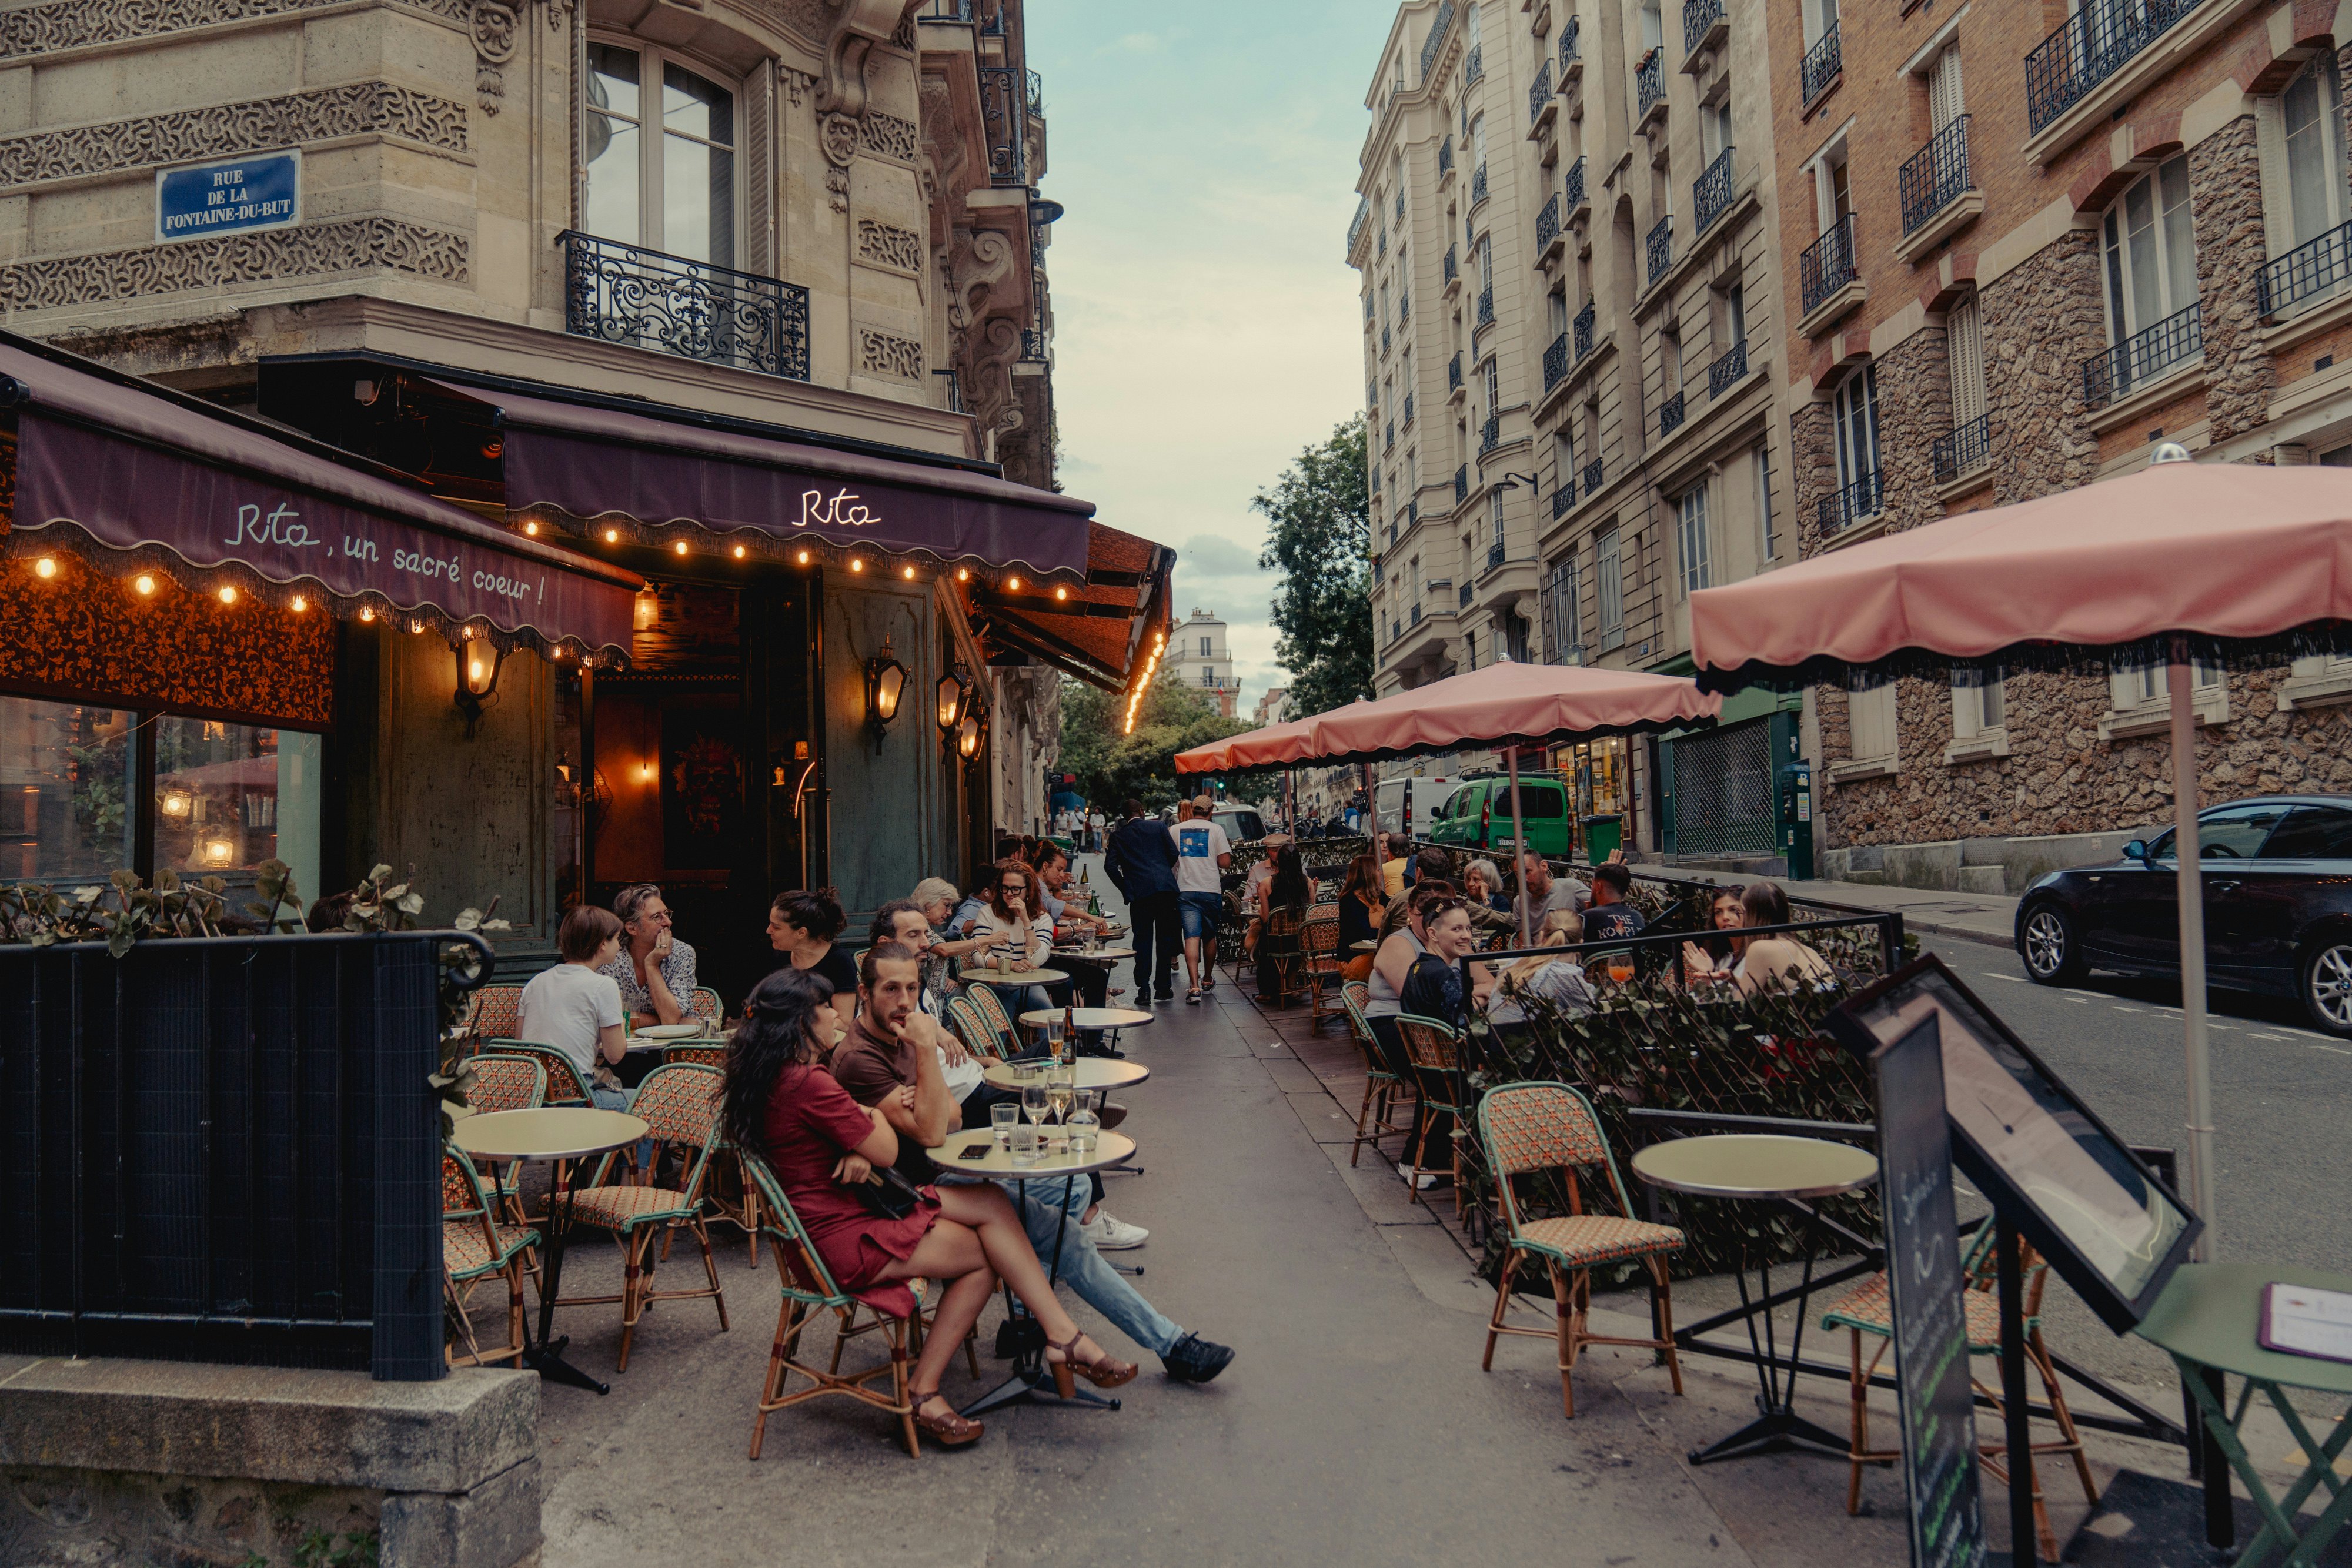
(1206, 324)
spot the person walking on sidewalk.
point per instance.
(1203, 852)
(1140, 862)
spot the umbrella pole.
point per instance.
(1518, 845)
(2181, 678)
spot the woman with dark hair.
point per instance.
(1273, 937)
(802, 927)
(1360, 905)
(1775, 963)
(1017, 935)
(1711, 958)
(820, 1143)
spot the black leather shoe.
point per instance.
(1196, 1360)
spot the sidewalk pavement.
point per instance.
(1988, 918)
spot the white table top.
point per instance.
(1094, 1072)
(1013, 977)
(1088, 1017)
(549, 1132)
(1099, 956)
(1115, 1149)
(1756, 1165)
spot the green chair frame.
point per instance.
(475, 1245)
(1376, 1118)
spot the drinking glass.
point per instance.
(1085, 1127)
(1004, 1116)
(1034, 1102)
(1059, 1088)
(1621, 968)
(1054, 1038)
(1024, 1146)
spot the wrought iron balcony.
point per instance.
(1463, 596)
(1827, 264)
(1711, 191)
(1384, 339)
(2142, 357)
(1965, 448)
(1555, 362)
(1727, 368)
(1540, 92)
(1436, 39)
(1575, 187)
(1404, 309)
(1474, 69)
(1820, 66)
(1490, 434)
(1412, 513)
(1445, 158)
(625, 294)
(1486, 307)
(1698, 15)
(1563, 497)
(1037, 346)
(1400, 203)
(1593, 476)
(1568, 55)
(1660, 246)
(1388, 443)
(1407, 422)
(1670, 416)
(1005, 122)
(2095, 43)
(948, 11)
(1454, 372)
(1586, 320)
(1850, 504)
(1416, 614)
(1462, 484)
(1478, 185)
(1453, 266)
(1547, 223)
(1649, 84)
(1933, 176)
(1496, 556)
(1356, 228)
(1381, 245)
(2309, 271)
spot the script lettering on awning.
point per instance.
(842, 509)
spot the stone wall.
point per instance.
(1914, 408)
(2042, 320)
(1812, 469)
(2225, 194)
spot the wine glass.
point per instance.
(1059, 1089)
(1033, 1103)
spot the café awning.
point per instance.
(125, 472)
(1101, 629)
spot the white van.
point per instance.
(1409, 806)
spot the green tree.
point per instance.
(1114, 767)
(1318, 539)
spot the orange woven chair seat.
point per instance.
(1867, 1308)
(468, 1252)
(1580, 1241)
(619, 1207)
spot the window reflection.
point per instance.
(65, 790)
(231, 796)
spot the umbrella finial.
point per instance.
(2170, 451)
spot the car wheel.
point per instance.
(2326, 988)
(2047, 944)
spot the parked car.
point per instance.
(2278, 907)
(1241, 825)
(1478, 814)
(1409, 806)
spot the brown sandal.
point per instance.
(1103, 1372)
(950, 1430)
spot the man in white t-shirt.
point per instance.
(577, 1010)
(1203, 852)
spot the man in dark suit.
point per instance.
(1141, 864)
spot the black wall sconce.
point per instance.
(479, 665)
(885, 685)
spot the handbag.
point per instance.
(888, 1195)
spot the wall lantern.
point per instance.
(885, 684)
(954, 694)
(478, 676)
(647, 609)
(970, 732)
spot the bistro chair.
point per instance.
(1319, 956)
(1278, 956)
(1536, 1126)
(808, 1288)
(680, 1106)
(475, 1245)
(737, 1204)
(1435, 1051)
(1867, 1311)
(705, 1004)
(697, 1055)
(991, 1008)
(506, 1083)
(1323, 909)
(1375, 1119)
(916, 1327)
(493, 1013)
(564, 1086)
(966, 1020)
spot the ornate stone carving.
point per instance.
(856, 27)
(493, 27)
(797, 84)
(977, 260)
(887, 136)
(838, 135)
(888, 246)
(354, 109)
(310, 248)
(67, 23)
(881, 354)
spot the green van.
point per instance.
(1477, 815)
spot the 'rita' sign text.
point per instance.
(842, 509)
(282, 528)
(263, 192)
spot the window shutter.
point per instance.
(1965, 347)
(759, 172)
(1944, 101)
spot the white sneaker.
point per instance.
(1424, 1183)
(1111, 1235)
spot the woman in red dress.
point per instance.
(820, 1142)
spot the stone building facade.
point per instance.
(2017, 260)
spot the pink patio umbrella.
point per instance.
(2181, 561)
(1273, 746)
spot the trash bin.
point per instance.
(1602, 836)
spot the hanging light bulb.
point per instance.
(45, 569)
(681, 547)
(228, 595)
(301, 603)
(144, 582)
(611, 536)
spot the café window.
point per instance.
(66, 783)
(658, 154)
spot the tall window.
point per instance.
(1833, 188)
(1978, 703)
(1486, 265)
(1609, 587)
(1566, 643)
(2309, 115)
(1493, 387)
(1856, 413)
(1670, 359)
(1732, 320)
(1945, 103)
(1820, 16)
(1714, 129)
(1692, 536)
(1871, 722)
(660, 158)
(1204, 647)
(1653, 32)
(1764, 500)
(1964, 348)
(2150, 251)
(1495, 519)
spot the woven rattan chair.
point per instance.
(991, 1008)
(680, 1108)
(969, 1026)
(475, 1245)
(1867, 1311)
(703, 1003)
(926, 1311)
(1528, 1127)
(1376, 1118)
(1435, 1051)
(564, 1085)
(734, 1201)
(494, 1012)
(1319, 956)
(808, 1289)
(1279, 956)
(506, 1083)
(702, 1054)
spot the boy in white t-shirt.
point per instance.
(1203, 852)
(577, 1010)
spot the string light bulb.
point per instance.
(611, 536)
(144, 582)
(804, 558)
(45, 567)
(681, 547)
(1014, 583)
(963, 574)
(531, 528)
(301, 603)
(367, 613)
(908, 574)
(559, 651)
(739, 552)
(855, 564)
(1061, 593)
(228, 595)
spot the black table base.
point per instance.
(1033, 1378)
(1778, 1428)
(546, 1357)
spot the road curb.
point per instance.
(1929, 926)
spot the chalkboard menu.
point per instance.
(1923, 1279)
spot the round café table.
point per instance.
(977, 1153)
(1023, 977)
(551, 1133)
(1103, 956)
(1089, 1019)
(1093, 1073)
(1763, 1168)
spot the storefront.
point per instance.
(1601, 776)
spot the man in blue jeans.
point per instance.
(877, 1062)
(1141, 864)
(1203, 852)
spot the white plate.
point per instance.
(669, 1031)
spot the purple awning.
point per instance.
(594, 464)
(137, 469)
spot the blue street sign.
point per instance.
(237, 197)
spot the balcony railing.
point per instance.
(625, 294)
(1711, 191)
(1547, 223)
(1660, 246)
(1381, 245)
(1388, 443)
(1670, 416)
(2309, 271)
(1575, 185)
(1965, 448)
(1399, 205)
(1416, 615)
(1496, 556)
(1698, 15)
(1384, 339)
(1593, 476)
(1933, 176)
(1486, 307)
(2142, 357)
(1462, 484)
(1555, 362)
(1407, 422)
(1726, 368)
(1827, 264)
(1474, 69)
(1820, 66)
(1004, 123)
(1445, 158)
(1490, 434)
(1540, 92)
(1436, 39)
(1649, 84)
(1568, 55)
(1356, 228)
(1454, 372)
(1850, 504)
(1478, 185)
(1586, 320)
(1404, 309)
(1563, 497)
(948, 11)
(1452, 267)
(2096, 42)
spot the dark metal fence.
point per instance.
(1827, 264)
(224, 1149)
(1933, 177)
(2096, 42)
(1586, 320)
(1849, 504)
(1649, 85)
(1819, 67)
(1670, 415)
(1965, 448)
(695, 310)
(1003, 113)
(1540, 92)
(1726, 368)
(2309, 271)
(1430, 46)
(1711, 192)
(1555, 361)
(2142, 357)
(1593, 476)
(1575, 187)
(1698, 15)
(1660, 246)
(1490, 433)
(1547, 222)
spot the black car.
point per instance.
(2278, 907)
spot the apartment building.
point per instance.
(2022, 256)
(1204, 660)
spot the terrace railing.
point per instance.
(2313, 270)
(1726, 368)
(1820, 66)
(2142, 357)
(1827, 264)
(2096, 41)
(695, 309)
(1934, 177)
(1964, 450)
